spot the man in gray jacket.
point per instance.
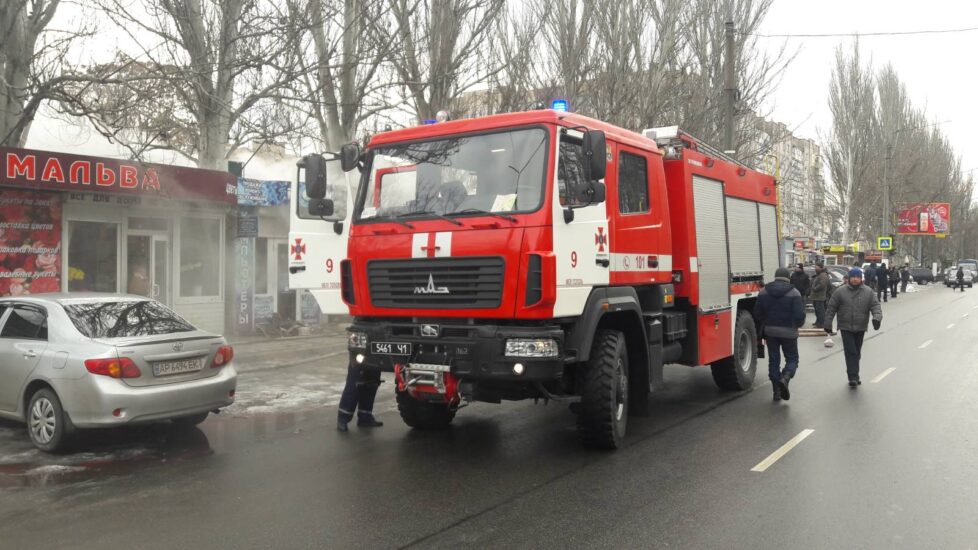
(854, 304)
(821, 286)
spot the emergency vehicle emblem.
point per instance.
(298, 249)
(600, 239)
(431, 288)
(430, 331)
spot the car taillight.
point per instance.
(115, 368)
(223, 356)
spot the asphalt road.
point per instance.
(891, 464)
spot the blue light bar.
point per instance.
(428, 121)
(559, 105)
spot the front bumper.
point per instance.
(90, 400)
(474, 352)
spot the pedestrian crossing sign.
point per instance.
(884, 243)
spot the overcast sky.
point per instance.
(939, 70)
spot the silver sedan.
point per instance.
(90, 360)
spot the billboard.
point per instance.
(30, 242)
(924, 218)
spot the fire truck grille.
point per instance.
(437, 283)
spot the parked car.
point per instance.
(922, 275)
(949, 275)
(953, 278)
(88, 360)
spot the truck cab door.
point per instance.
(317, 245)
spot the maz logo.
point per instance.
(431, 288)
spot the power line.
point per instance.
(862, 34)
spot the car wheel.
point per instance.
(190, 421)
(47, 424)
(736, 373)
(603, 414)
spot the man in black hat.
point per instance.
(780, 311)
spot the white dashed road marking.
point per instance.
(949, 327)
(965, 315)
(925, 344)
(882, 375)
(776, 455)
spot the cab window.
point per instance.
(633, 184)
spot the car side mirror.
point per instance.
(350, 156)
(595, 154)
(321, 207)
(315, 166)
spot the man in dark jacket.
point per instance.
(869, 277)
(854, 303)
(882, 282)
(904, 278)
(960, 277)
(894, 281)
(821, 286)
(800, 280)
(780, 311)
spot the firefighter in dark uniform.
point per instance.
(358, 398)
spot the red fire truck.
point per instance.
(537, 255)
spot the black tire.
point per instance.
(190, 421)
(736, 373)
(422, 415)
(603, 416)
(48, 426)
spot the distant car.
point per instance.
(922, 275)
(93, 360)
(968, 278)
(949, 275)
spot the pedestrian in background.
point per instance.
(780, 311)
(800, 280)
(821, 286)
(358, 398)
(869, 277)
(854, 304)
(894, 281)
(882, 282)
(960, 277)
(904, 278)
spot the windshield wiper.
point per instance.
(393, 219)
(429, 213)
(484, 212)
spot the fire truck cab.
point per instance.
(539, 255)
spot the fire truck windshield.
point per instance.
(501, 172)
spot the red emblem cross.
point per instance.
(431, 248)
(298, 249)
(600, 239)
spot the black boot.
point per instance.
(777, 391)
(368, 422)
(853, 382)
(341, 425)
(785, 378)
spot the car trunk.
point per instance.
(169, 358)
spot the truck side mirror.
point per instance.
(350, 156)
(595, 154)
(315, 166)
(596, 193)
(321, 207)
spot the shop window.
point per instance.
(261, 265)
(93, 253)
(201, 247)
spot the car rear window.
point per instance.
(125, 318)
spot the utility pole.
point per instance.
(729, 90)
(886, 192)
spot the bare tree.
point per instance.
(224, 63)
(32, 63)
(440, 51)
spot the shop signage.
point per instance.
(264, 309)
(247, 222)
(44, 170)
(244, 286)
(30, 242)
(262, 193)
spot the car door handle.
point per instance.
(30, 354)
(603, 262)
(295, 269)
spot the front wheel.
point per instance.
(47, 424)
(423, 415)
(736, 373)
(604, 398)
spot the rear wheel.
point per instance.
(47, 424)
(190, 421)
(736, 373)
(423, 415)
(603, 414)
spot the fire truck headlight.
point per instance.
(531, 347)
(357, 340)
